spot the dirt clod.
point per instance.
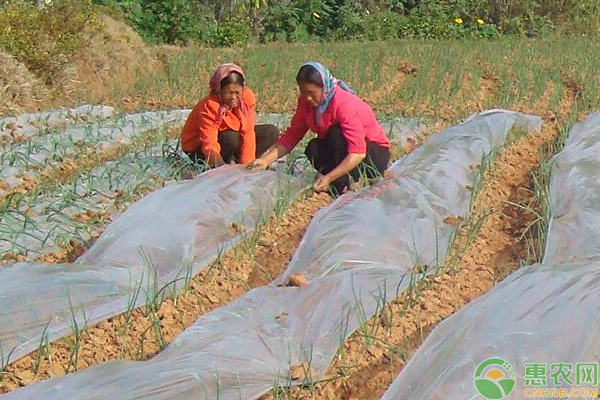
(281, 316)
(235, 229)
(301, 372)
(453, 220)
(297, 280)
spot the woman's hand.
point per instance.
(322, 183)
(268, 157)
(258, 165)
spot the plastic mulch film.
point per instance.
(403, 130)
(539, 314)
(37, 221)
(162, 240)
(545, 314)
(22, 157)
(357, 254)
(41, 222)
(27, 125)
(574, 226)
(401, 220)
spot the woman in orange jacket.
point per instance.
(221, 128)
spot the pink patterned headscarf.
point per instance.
(215, 86)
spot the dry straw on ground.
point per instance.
(116, 53)
(20, 90)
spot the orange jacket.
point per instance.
(201, 130)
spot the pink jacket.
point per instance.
(354, 116)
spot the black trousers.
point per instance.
(266, 136)
(327, 153)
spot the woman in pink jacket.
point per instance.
(349, 139)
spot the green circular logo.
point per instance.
(499, 379)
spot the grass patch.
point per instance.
(401, 77)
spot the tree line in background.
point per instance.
(235, 22)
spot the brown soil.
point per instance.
(364, 369)
(133, 337)
(381, 95)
